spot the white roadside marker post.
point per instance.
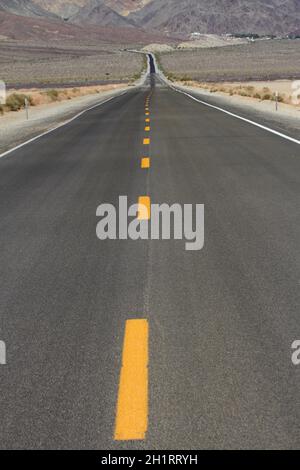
(26, 108)
(276, 100)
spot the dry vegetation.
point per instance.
(16, 100)
(261, 60)
(23, 64)
(265, 91)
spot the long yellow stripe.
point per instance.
(144, 212)
(132, 408)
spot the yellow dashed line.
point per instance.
(144, 212)
(145, 162)
(147, 128)
(147, 120)
(132, 408)
(146, 141)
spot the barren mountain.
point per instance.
(221, 16)
(67, 8)
(24, 8)
(47, 30)
(98, 13)
(124, 7)
(172, 16)
(62, 8)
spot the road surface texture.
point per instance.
(221, 321)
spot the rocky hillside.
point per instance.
(25, 8)
(67, 8)
(276, 17)
(221, 16)
(96, 12)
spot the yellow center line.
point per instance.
(144, 208)
(132, 407)
(146, 141)
(147, 114)
(147, 128)
(147, 120)
(145, 162)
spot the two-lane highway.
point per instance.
(215, 326)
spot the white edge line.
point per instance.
(218, 108)
(61, 125)
(284, 136)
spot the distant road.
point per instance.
(215, 326)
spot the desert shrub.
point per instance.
(13, 103)
(171, 77)
(267, 96)
(16, 101)
(186, 78)
(52, 94)
(257, 96)
(1, 109)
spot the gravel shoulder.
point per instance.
(15, 128)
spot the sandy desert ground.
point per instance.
(260, 60)
(29, 64)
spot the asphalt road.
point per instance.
(221, 320)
